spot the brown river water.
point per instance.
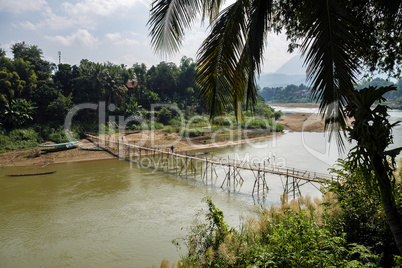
(101, 214)
(109, 213)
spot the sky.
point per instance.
(102, 30)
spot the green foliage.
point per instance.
(260, 123)
(362, 217)
(257, 123)
(33, 54)
(282, 239)
(17, 79)
(205, 237)
(277, 115)
(54, 132)
(59, 108)
(19, 139)
(168, 129)
(155, 126)
(373, 133)
(132, 106)
(191, 132)
(165, 115)
(17, 113)
(289, 94)
(263, 110)
(175, 123)
(394, 96)
(64, 78)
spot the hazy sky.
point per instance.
(101, 30)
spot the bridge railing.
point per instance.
(262, 167)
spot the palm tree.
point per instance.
(336, 38)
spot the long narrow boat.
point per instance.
(31, 174)
(58, 146)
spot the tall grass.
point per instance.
(19, 139)
(295, 234)
(28, 138)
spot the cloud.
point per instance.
(27, 25)
(21, 6)
(113, 36)
(101, 7)
(118, 39)
(52, 21)
(192, 42)
(81, 36)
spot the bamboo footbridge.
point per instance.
(183, 163)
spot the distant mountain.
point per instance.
(294, 66)
(292, 72)
(280, 80)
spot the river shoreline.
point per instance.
(292, 122)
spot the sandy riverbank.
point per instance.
(299, 122)
(296, 105)
(293, 122)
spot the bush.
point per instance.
(17, 113)
(165, 115)
(281, 238)
(191, 133)
(276, 127)
(362, 217)
(59, 108)
(156, 126)
(168, 130)
(256, 123)
(19, 139)
(56, 133)
(260, 123)
(174, 123)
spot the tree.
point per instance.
(334, 36)
(17, 112)
(60, 106)
(17, 79)
(162, 79)
(106, 80)
(33, 54)
(373, 133)
(64, 78)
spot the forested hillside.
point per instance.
(301, 93)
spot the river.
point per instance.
(112, 214)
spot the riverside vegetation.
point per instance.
(302, 94)
(36, 95)
(345, 228)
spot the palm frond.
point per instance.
(210, 9)
(260, 16)
(168, 21)
(331, 66)
(218, 58)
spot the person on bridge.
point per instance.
(172, 147)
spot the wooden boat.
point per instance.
(91, 149)
(58, 146)
(31, 174)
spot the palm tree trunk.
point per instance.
(394, 221)
(388, 201)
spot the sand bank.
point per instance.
(293, 122)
